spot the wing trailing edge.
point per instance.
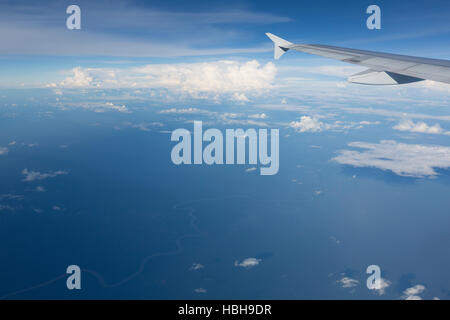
(374, 77)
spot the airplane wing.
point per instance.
(384, 68)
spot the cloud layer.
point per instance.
(409, 160)
(200, 80)
(308, 124)
(36, 175)
(419, 127)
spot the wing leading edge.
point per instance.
(384, 68)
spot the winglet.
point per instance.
(280, 45)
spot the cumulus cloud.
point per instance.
(247, 263)
(220, 76)
(308, 124)
(112, 106)
(239, 97)
(383, 285)
(197, 266)
(79, 78)
(36, 175)
(413, 292)
(419, 127)
(347, 282)
(3, 150)
(409, 160)
(435, 86)
(199, 80)
(313, 124)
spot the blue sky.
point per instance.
(36, 43)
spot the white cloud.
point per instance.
(80, 78)
(411, 160)
(40, 189)
(247, 263)
(335, 240)
(200, 80)
(144, 126)
(308, 124)
(112, 106)
(98, 107)
(197, 266)
(258, 116)
(413, 292)
(239, 97)
(223, 76)
(36, 175)
(223, 117)
(347, 282)
(184, 111)
(243, 122)
(102, 107)
(3, 150)
(419, 127)
(435, 86)
(394, 114)
(384, 284)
